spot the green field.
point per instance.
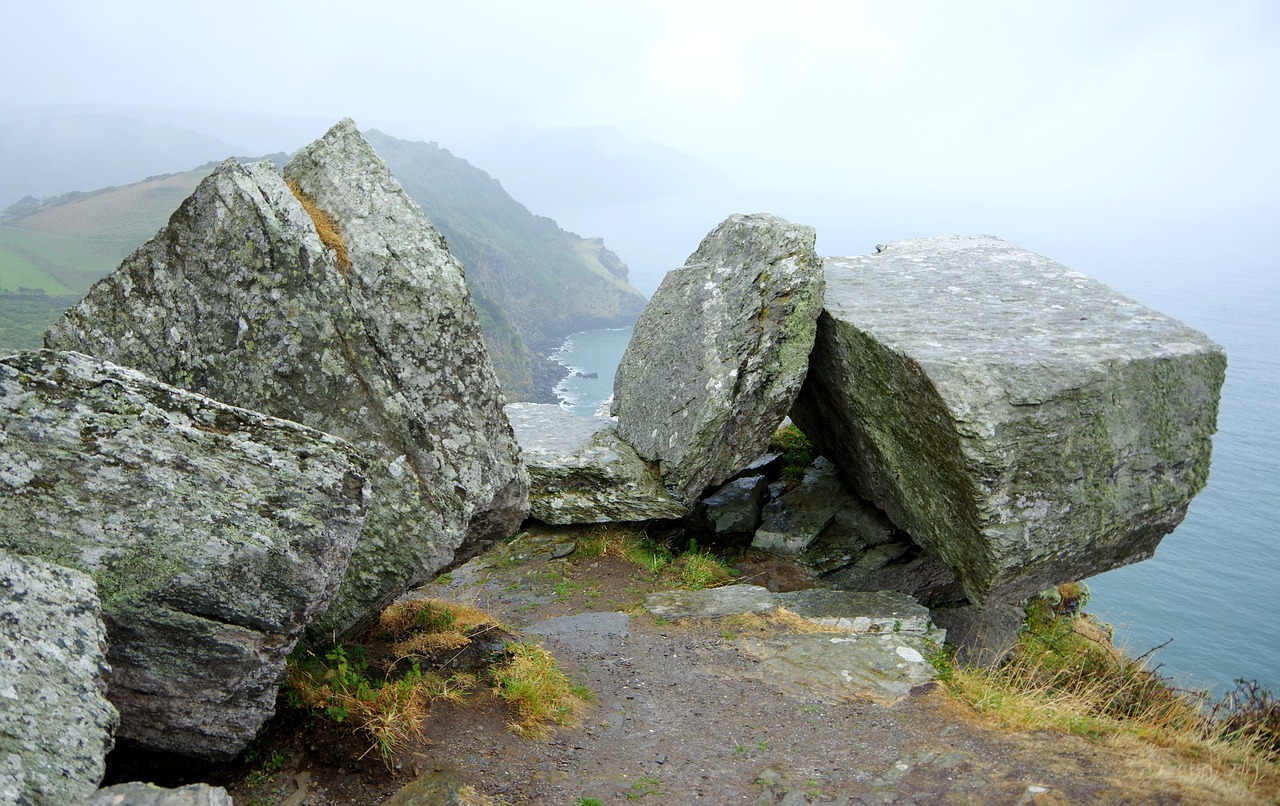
(25, 317)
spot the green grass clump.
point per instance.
(796, 450)
(538, 691)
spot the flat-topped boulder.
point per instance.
(215, 535)
(56, 725)
(346, 314)
(1031, 425)
(719, 353)
(580, 471)
(840, 644)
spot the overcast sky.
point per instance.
(1142, 100)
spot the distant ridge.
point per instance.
(533, 283)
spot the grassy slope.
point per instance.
(533, 282)
(67, 245)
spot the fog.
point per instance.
(1171, 107)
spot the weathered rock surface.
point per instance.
(580, 471)
(873, 645)
(214, 534)
(735, 507)
(56, 725)
(238, 299)
(719, 353)
(1028, 423)
(140, 794)
(820, 505)
(982, 635)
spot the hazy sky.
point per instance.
(1003, 100)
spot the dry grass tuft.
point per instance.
(325, 228)
(1065, 675)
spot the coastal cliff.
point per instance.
(328, 308)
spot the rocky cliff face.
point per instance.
(1031, 425)
(214, 535)
(720, 352)
(239, 299)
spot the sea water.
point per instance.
(1210, 593)
(591, 357)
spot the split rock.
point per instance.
(1031, 425)
(371, 337)
(56, 724)
(215, 535)
(719, 353)
(580, 471)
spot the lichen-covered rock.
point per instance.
(215, 535)
(56, 724)
(143, 794)
(378, 343)
(720, 352)
(1031, 425)
(580, 471)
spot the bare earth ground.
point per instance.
(678, 717)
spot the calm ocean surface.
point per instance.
(1214, 585)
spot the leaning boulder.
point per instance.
(56, 724)
(215, 535)
(348, 315)
(720, 352)
(581, 472)
(1031, 425)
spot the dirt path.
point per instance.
(681, 716)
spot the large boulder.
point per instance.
(56, 724)
(581, 472)
(215, 535)
(1029, 424)
(719, 353)
(369, 335)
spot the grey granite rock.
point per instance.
(860, 612)
(791, 522)
(214, 535)
(735, 507)
(237, 298)
(726, 601)
(141, 794)
(1029, 424)
(982, 635)
(56, 725)
(580, 471)
(719, 353)
(871, 646)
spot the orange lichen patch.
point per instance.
(325, 227)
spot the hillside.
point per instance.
(533, 282)
(64, 245)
